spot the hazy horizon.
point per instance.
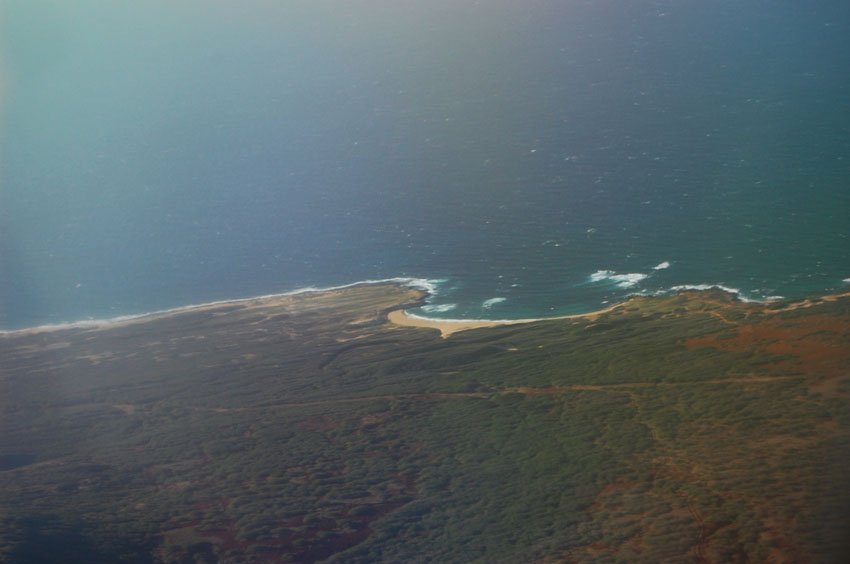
(160, 154)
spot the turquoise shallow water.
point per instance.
(538, 158)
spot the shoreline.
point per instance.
(422, 284)
(401, 316)
(447, 327)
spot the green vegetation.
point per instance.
(306, 428)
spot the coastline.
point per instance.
(400, 316)
(422, 284)
(447, 327)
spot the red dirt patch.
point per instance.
(811, 346)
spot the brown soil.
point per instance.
(812, 346)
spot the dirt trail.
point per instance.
(723, 318)
(552, 390)
(622, 388)
(703, 531)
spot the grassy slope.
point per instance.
(689, 428)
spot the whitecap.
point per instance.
(438, 308)
(430, 285)
(846, 280)
(487, 304)
(628, 280)
(621, 280)
(741, 296)
(601, 275)
(706, 287)
(662, 266)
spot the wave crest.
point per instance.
(622, 280)
(702, 287)
(438, 308)
(487, 304)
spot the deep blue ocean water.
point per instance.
(539, 157)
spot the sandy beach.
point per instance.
(447, 327)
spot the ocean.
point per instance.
(529, 158)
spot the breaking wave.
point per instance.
(622, 280)
(487, 304)
(438, 308)
(702, 287)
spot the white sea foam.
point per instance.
(438, 308)
(429, 285)
(487, 304)
(662, 266)
(628, 280)
(601, 275)
(741, 296)
(705, 287)
(846, 280)
(622, 280)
